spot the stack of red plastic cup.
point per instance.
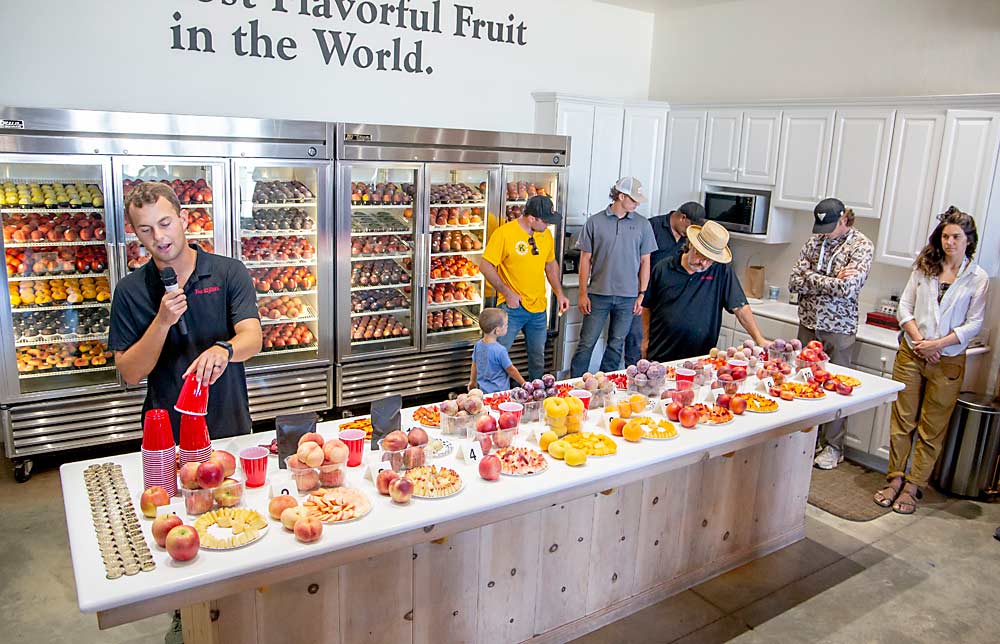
(159, 454)
(195, 443)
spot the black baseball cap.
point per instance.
(827, 213)
(540, 206)
(693, 211)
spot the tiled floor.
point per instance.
(926, 578)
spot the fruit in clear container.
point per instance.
(209, 474)
(226, 460)
(228, 494)
(310, 454)
(189, 476)
(332, 475)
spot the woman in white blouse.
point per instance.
(940, 311)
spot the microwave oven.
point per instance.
(739, 212)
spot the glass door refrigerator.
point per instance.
(460, 201)
(377, 260)
(60, 255)
(281, 234)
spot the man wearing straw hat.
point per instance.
(682, 313)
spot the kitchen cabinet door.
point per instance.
(860, 158)
(685, 149)
(803, 158)
(909, 186)
(576, 120)
(606, 156)
(722, 145)
(759, 147)
(968, 159)
(880, 429)
(642, 152)
(859, 426)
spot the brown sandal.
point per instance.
(886, 501)
(906, 502)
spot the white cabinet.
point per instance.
(803, 158)
(725, 338)
(860, 158)
(722, 144)
(859, 426)
(968, 158)
(879, 445)
(642, 151)
(909, 190)
(576, 120)
(684, 152)
(606, 156)
(759, 147)
(742, 146)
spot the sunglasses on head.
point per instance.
(534, 246)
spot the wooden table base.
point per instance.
(550, 575)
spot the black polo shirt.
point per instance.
(219, 293)
(665, 243)
(686, 310)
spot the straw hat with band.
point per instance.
(711, 240)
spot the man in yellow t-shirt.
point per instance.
(519, 258)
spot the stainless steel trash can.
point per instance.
(969, 464)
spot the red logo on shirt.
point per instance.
(207, 290)
(707, 277)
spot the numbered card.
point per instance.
(472, 452)
(806, 373)
(281, 483)
(768, 382)
(376, 468)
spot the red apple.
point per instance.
(844, 389)
(308, 529)
(486, 424)
(151, 499)
(674, 410)
(162, 525)
(289, 516)
(311, 436)
(401, 490)
(209, 475)
(417, 437)
(385, 478)
(279, 504)
(189, 475)
(738, 406)
(226, 460)
(334, 452)
(688, 417)
(182, 543)
(489, 467)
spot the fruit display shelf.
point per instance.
(59, 338)
(380, 206)
(363, 258)
(32, 278)
(273, 204)
(515, 202)
(478, 204)
(280, 293)
(275, 351)
(478, 277)
(362, 314)
(132, 237)
(48, 209)
(440, 306)
(61, 307)
(357, 289)
(305, 317)
(279, 263)
(458, 252)
(71, 371)
(310, 232)
(46, 243)
(447, 228)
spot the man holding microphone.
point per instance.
(204, 323)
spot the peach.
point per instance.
(279, 504)
(189, 475)
(294, 463)
(226, 460)
(289, 516)
(395, 441)
(401, 490)
(308, 529)
(306, 480)
(312, 436)
(335, 452)
(332, 475)
(310, 454)
(413, 457)
(417, 437)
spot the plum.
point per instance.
(551, 392)
(538, 384)
(632, 371)
(538, 394)
(642, 365)
(527, 386)
(548, 380)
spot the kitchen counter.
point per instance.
(481, 506)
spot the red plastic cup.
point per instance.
(253, 460)
(157, 433)
(355, 441)
(194, 433)
(583, 396)
(194, 397)
(684, 375)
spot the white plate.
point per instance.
(222, 533)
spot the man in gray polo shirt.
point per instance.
(614, 271)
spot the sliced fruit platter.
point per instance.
(358, 423)
(803, 390)
(850, 381)
(592, 444)
(712, 414)
(521, 461)
(337, 505)
(645, 427)
(429, 416)
(243, 525)
(758, 403)
(433, 482)
(620, 379)
(493, 401)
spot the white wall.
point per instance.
(746, 49)
(116, 55)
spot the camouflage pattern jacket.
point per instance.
(827, 303)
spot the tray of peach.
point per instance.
(338, 505)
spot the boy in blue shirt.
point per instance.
(491, 365)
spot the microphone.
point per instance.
(169, 278)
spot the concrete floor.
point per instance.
(926, 578)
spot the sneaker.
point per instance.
(829, 458)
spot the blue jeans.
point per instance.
(633, 341)
(535, 332)
(619, 309)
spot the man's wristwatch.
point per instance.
(228, 347)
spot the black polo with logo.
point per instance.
(220, 294)
(686, 310)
